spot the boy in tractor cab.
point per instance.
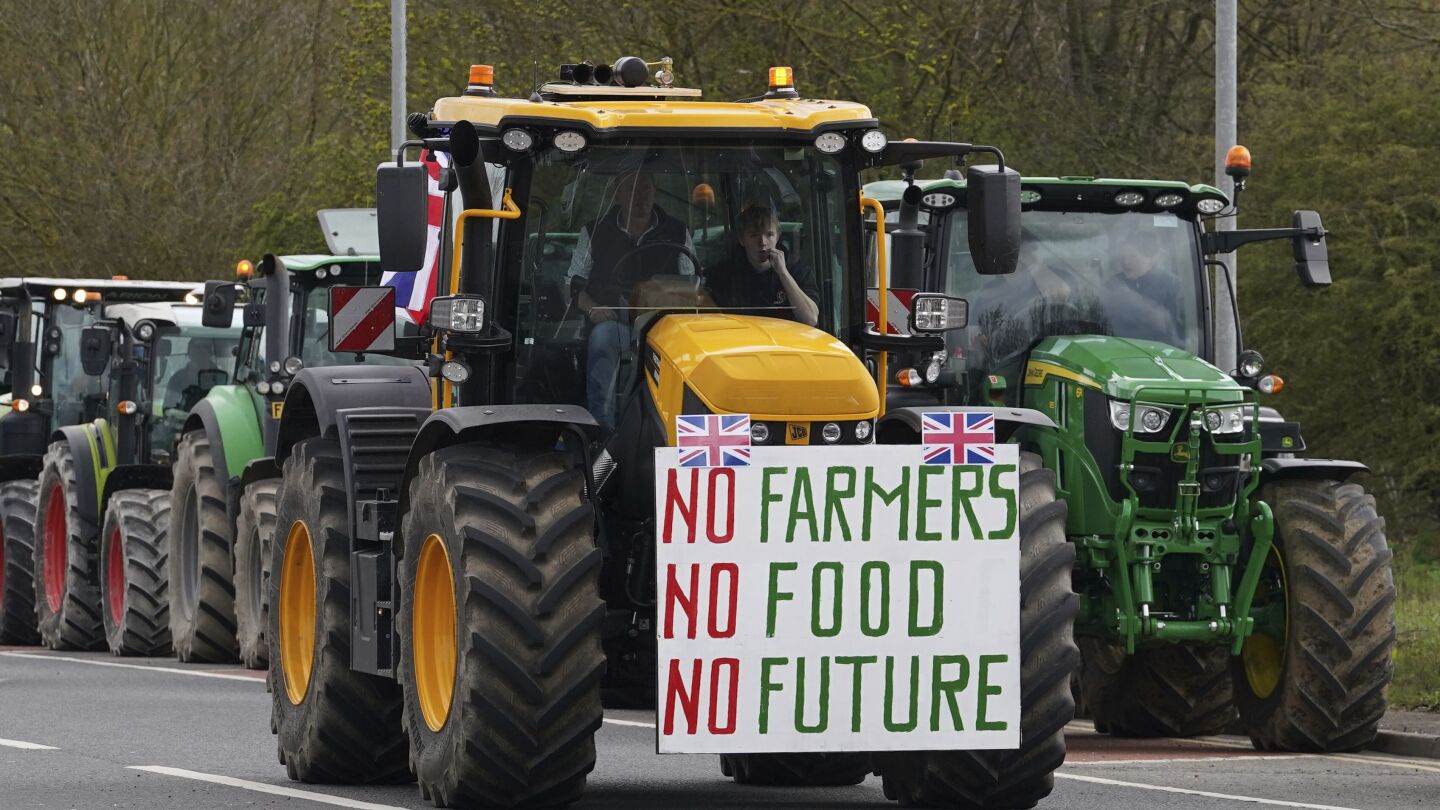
(757, 274)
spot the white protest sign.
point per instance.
(841, 598)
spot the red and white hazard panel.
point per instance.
(362, 319)
(897, 310)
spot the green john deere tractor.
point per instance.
(104, 503)
(225, 477)
(1219, 569)
(41, 320)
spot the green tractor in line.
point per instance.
(1220, 571)
(104, 501)
(223, 491)
(44, 388)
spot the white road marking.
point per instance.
(618, 722)
(261, 787)
(171, 670)
(1207, 794)
(1186, 759)
(28, 746)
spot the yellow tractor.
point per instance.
(465, 551)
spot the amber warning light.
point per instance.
(1237, 161)
(244, 269)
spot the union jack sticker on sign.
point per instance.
(362, 319)
(721, 440)
(958, 438)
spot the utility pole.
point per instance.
(397, 74)
(1226, 350)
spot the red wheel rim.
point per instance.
(55, 539)
(115, 577)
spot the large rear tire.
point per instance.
(1022, 777)
(500, 653)
(1314, 675)
(17, 562)
(1172, 691)
(201, 571)
(334, 724)
(134, 598)
(253, 532)
(67, 595)
(796, 770)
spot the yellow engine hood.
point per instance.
(766, 367)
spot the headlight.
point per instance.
(1148, 419)
(1028, 196)
(262, 387)
(1210, 205)
(277, 387)
(873, 141)
(931, 312)
(458, 313)
(1169, 200)
(36, 390)
(569, 141)
(759, 432)
(830, 433)
(517, 140)
(455, 372)
(274, 366)
(1129, 199)
(322, 272)
(294, 365)
(1226, 420)
(59, 294)
(145, 330)
(862, 431)
(932, 370)
(1251, 364)
(830, 142)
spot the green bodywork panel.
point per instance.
(100, 438)
(1126, 368)
(237, 412)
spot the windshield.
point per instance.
(190, 363)
(1128, 275)
(77, 396)
(615, 231)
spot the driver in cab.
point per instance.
(199, 356)
(611, 256)
(758, 274)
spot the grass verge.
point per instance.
(1417, 650)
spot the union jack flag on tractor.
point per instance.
(721, 440)
(958, 438)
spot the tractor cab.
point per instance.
(41, 320)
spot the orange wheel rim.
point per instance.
(433, 632)
(297, 613)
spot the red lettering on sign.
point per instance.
(731, 597)
(689, 700)
(675, 501)
(732, 688)
(713, 507)
(675, 595)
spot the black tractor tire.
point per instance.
(17, 562)
(340, 726)
(520, 730)
(796, 770)
(1022, 777)
(67, 599)
(201, 569)
(1171, 691)
(253, 530)
(1336, 655)
(134, 583)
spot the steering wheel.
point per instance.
(677, 247)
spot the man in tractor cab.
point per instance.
(184, 388)
(1149, 297)
(609, 259)
(758, 273)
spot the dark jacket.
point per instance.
(609, 283)
(734, 283)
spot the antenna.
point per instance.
(535, 81)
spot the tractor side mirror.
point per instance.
(255, 313)
(96, 346)
(400, 211)
(219, 304)
(993, 208)
(1312, 257)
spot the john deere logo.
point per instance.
(1180, 453)
(1287, 441)
(797, 433)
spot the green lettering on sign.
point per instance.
(824, 721)
(914, 691)
(900, 492)
(1006, 495)
(766, 687)
(867, 626)
(984, 691)
(775, 594)
(835, 496)
(857, 679)
(961, 495)
(923, 504)
(835, 603)
(767, 498)
(947, 686)
(937, 579)
(798, 495)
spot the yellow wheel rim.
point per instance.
(297, 613)
(1263, 655)
(433, 632)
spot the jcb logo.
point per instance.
(798, 433)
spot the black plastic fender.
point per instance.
(17, 467)
(1007, 420)
(80, 439)
(135, 476)
(1308, 469)
(23, 434)
(317, 394)
(449, 426)
(258, 470)
(202, 417)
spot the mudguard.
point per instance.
(318, 394)
(227, 415)
(1308, 469)
(135, 476)
(258, 470)
(1007, 420)
(21, 434)
(453, 425)
(20, 467)
(93, 450)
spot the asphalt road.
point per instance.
(83, 730)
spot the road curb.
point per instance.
(1406, 744)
